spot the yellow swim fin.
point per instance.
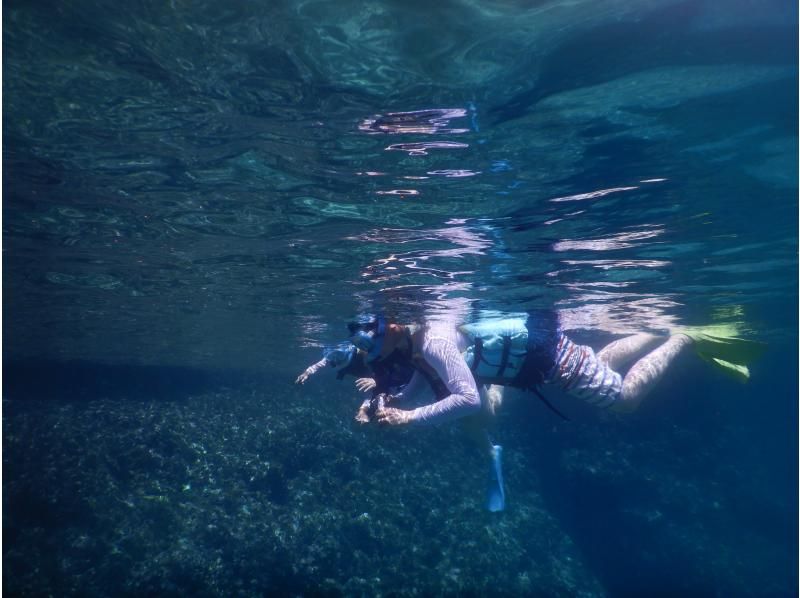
(721, 345)
(740, 372)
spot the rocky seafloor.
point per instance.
(245, 490)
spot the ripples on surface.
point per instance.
(214, 175)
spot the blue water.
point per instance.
(198, 196)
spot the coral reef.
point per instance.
(240, 492)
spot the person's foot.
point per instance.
(497, 496)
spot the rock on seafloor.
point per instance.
(236, 492)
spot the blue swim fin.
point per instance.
(497, 496)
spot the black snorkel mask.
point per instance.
(368, 335)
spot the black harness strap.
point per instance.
(477, 356)
(549, 404)
(504, 357)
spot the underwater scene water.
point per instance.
(198, 196)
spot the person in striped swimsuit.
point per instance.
(595, 378)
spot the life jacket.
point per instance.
(513, 351)
(497, 351)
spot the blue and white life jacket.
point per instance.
(516, 352)
(498, 349)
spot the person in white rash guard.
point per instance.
(448, 359)
(347, 360)
(550, 357)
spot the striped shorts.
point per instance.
(578, 371)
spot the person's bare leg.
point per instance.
(477, 428)
(620, 353)
(645, 373)
(494, 398)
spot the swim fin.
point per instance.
(721, 345)
(497, 496)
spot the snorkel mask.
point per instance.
(368, 334)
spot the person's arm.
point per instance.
(416, 385)
(362, 415)
(311, 370)
(443, 356)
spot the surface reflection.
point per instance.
(618, 313)
(431, 268)
(626, 240)
(427, 273)
(592, 194)
(453, 173)
(443, 263)
(421, 148)
(400, 192)
(427, 122)
(614, 264)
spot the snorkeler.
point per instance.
(526, 353)
(344, 357)
(379, 376)
(452, 361)
(349, 360)
(440, 364)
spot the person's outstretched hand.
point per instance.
(393, 417)
(302, 378)
(365, 384)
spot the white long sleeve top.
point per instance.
(441, 346)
